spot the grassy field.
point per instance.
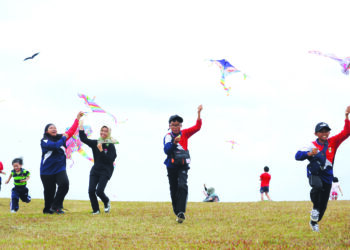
(152, 225)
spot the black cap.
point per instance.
(175, 118)
(321, 126)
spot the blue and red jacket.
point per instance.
(170, 146)
(333, 144)
(53, 159)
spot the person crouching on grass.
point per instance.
(104, 154)
(177, 161)
(321, 154)
(20, 191)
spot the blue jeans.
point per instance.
(19, 192)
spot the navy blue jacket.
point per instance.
(53, 159)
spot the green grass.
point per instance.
(152, 225)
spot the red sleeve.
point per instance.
(1, 166)
(342, 136)
(72, 129)
(190, 131)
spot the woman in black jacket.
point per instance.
(104, 154)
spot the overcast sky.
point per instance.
(147, 60)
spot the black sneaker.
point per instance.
(45, 211)
(57, 211)
(180, 217)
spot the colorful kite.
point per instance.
(226, 69)
(75, 145)
(232, 142)
(344, 62)
(90, 102)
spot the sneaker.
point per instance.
(28, 199)
(97, 212)
(13, 211)
(180, 217)
(57, 211)
(314, 215)
(45, 211)
(107, 207)
(314, 227)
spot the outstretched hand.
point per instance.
(80, 115)
(347, 111)
(200, 108)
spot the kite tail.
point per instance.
(245, 76)
(85, 155)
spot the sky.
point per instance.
(147, 60)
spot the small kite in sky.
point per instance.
(31, 57)
(90, 102)
(344, 62)
(226, 69)
(232, 142)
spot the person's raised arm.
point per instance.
(200, 108)
(190, 131)
(75, 125)
(84, 138)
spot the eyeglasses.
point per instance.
(175, 125)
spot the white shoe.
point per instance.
(108, 207)
(97, 212)
(13, 211)
(180, 217)
(314, 215)
(314, 227)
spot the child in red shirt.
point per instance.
(265, 182)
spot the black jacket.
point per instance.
(103, 161)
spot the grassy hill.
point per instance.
(152, 225)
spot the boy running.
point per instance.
(177, 161)
(321, 155)
(20, 191)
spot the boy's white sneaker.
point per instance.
(97, 212)
(13, 211)
(314, 227)
(314, 215)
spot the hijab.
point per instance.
(109, 139)
(47, 136)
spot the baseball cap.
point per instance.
(321, 126)
(175, 118)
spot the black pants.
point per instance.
(178, 188)
(19, 192)
(52, 198)
(101, 182)
(319, 194)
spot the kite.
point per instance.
(226, 69)
(90, 102)
(232, 142)
(31, 57)
(75, 145)
(344, 62)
